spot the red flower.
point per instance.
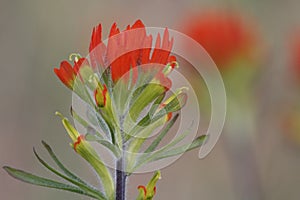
(124, 51)
(295, 54)
(141, 187)
(128, 49)
(66, 73)
(222, 34)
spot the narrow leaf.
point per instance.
(174, 105)
(156, 104)
(199, 141)
(59, 164)
(84, 123)
(148, 95)
(113, 148)
(40, 181)
(159, 138)
(82, 185)
(148, 158)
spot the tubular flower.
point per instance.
(148, 192)
(67, 74)
(129, 48)
(84, 149)
(100, 96)
(224, 35)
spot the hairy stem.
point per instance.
(120, 169)
(121, 180)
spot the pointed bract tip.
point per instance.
(59, 114)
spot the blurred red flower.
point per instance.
(224, 35)
(295, 53)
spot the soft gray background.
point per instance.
(35, 35)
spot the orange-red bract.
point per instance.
(124, 51)
(128, 49)
(66, 73)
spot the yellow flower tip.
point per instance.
(182, 89)
(157, 176)
(59, 114)
(74, 57)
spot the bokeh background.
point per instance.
(257, 156)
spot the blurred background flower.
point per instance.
(224, 34)
(233, 43)
(294, 52)
(291, 111)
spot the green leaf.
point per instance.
(146, 121)
(158, 139)
(199, 141)
(120, 94)
(130, 77)
(59, 164)
(89, 190)
(142, 124)
(86, 75)
(143, 79)
(174, 105)
(40, 181)
(150, 93)
(90, 155)
(104, 125)
(84, 123)
(148, 158)
(139, 139)
(113, 148)
(82, 91)
(156, 104)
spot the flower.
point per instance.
(128, 49)
(224, 35)
(100, 96)
(84, 149)
(148, 192)
(124, 51)
(66, 73)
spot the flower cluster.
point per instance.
(124, 83)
